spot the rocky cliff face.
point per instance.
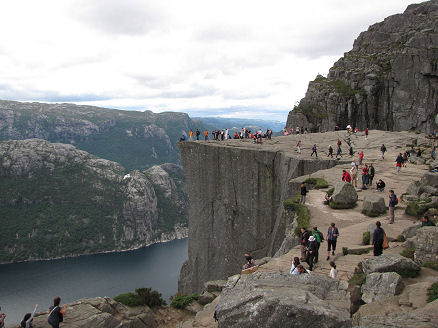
(56, 201)
(134, 139)
(388, 81)
(236, 206)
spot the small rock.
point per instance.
(344, 196)
(373, 205)
(379, 286)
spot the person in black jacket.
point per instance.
(303, 193)
(305, 234)
(378, 239)
(312, 252)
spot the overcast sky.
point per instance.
(208, 58)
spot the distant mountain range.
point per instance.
(238, 123)
(136, 140)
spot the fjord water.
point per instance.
(22, 285)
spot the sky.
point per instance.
(249, 59)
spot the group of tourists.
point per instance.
(311, 243)
(224, 134)
(54, 318)
(298, 130)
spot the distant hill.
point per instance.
(136, 140)
(57, 201)
(238, 123)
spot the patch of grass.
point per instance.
(409, 253)
(432, 292)
(400, 238)
(301, 210)
(431, 265)
(318, 183)
(345, 251)
(358, 277)
(366, 238)
(180, 301)
(417, 209)
(409, 274)
(331, 191)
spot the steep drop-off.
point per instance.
(135, 139)
(388, 81)
(56, 201)
(236, 197)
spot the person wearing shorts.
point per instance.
(332, 236)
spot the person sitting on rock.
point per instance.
(312, 251)
(28, 318)
(425, 222)
(302, 270)
(346, 177)
(249, 262)
(380, 185)
(333, 271)
(294, 267)
(327, 199)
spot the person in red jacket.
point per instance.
(346, 176)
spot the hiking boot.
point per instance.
(333, 253)
(328, 258)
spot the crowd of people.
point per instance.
(54, 318)
(224, 134)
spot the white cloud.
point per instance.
(227, 57)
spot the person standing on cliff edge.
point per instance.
(314, 151)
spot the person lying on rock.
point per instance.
(249, 262)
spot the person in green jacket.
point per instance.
(319, 238)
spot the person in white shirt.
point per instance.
(294, 267)
(333, 272)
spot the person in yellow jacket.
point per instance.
(206, 134)
(191, 134)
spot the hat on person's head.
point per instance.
(311, 238)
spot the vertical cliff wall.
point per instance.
(236, 197)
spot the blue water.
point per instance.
(22, 285)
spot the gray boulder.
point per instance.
(379, 286)
(101, 312)
(414, 188)
(426, 245)
(390, 263)
(344, 196)
(373, 205)
(215, 285)
(430, 179)
(426, 317)
(207, 297)
(282, 300)
(411, 231)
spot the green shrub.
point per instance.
(358, 277)
(431, 265)
(359, 251)
(180, 301)
(409, 274)
(400, 238)
(150, 297)
(142, 296)
(366, 238)
(129, 299)
(301, 210)
(432, 292)
(318, 183)
(409, 253)
(341, 206)
(418, 208)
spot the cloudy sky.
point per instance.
(208, 58)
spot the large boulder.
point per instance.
(282, 300)
(373, 205)
(390, 263)
(430, 179)
(414, 188)
(379, 286)
(101, 312)
(344, 196)
(426, 317)
(411, 231)
(426, 245)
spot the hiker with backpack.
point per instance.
(28, 318)
(305, 234)
(393, 201)
(332, 237)
(312, 252)
(319, 237)
(56, 313)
